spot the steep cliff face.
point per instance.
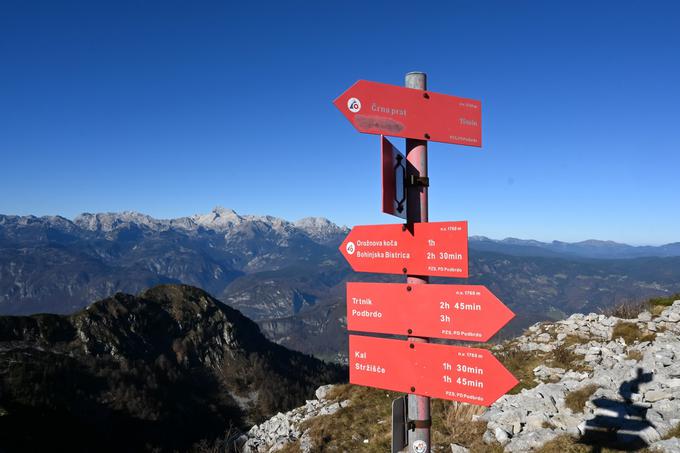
(164, 369)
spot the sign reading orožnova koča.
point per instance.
(436, 248)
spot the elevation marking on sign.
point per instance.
(454, 312)
(434, 248)
(456, 373)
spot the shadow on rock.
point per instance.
(619, 424)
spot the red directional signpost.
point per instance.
(417, 249)
(437, 248)
(378, 108)
(454, 312)
(457, 373)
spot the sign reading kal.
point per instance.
(393, 178)
(454, 312)
(456, 373)
(434, 248)
(379, 108)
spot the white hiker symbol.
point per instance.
(354, 105)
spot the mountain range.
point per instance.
(289, 276)
(591, 248)
(160, 371)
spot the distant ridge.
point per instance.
(322, 230)
(591, 248)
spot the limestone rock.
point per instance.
(455, 448)
(666, 446)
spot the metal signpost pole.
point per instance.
(419, 420)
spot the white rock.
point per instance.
(656, 395)
(501, 436)
(666, 446)
(455, 448)
(322, 391)
(645, 316)
(610, 321)
(306, 444)
(535, 422)
(565, 422)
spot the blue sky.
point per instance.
(173, 107)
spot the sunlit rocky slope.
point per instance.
(589, 383)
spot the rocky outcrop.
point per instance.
(282, 429)
(630, 391)
(620, 389)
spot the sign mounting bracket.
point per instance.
(417, 181)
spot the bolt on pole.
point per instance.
(419, 420)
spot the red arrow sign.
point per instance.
(436, 248)
(454, 312)
(440, 371)
(378, 108)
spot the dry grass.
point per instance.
(674, 432)
(452, 423)
(659, 304)
(342, 392)
(632, 309)
(663, 301)
(453, 412)
(631, 333)
(566, 444)
(572, 340)
(368, 417)
(626, 310)
(577, 399)
(564, 357)
(470, 435)
(634, 354)
(291, 447)
(521, 364)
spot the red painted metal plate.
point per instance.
(393, 177)
(378, 108)
(454, 312)
(456, 373)
(435, 248)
